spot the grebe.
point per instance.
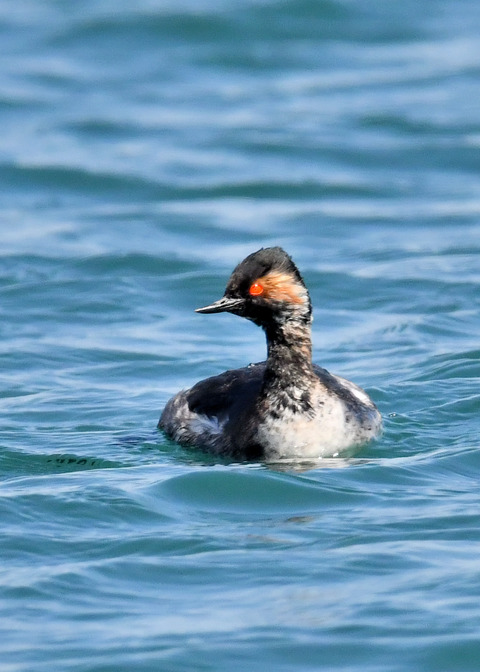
(286, 407)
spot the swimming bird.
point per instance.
(285, 407)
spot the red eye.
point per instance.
(256, 289)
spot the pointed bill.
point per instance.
(225, 304)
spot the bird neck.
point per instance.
(289, 347)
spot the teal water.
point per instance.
(145, 149)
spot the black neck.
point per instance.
(289, 361)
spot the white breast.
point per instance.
(328, 434)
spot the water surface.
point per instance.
(145, 150)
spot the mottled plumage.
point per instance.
(285, 406)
